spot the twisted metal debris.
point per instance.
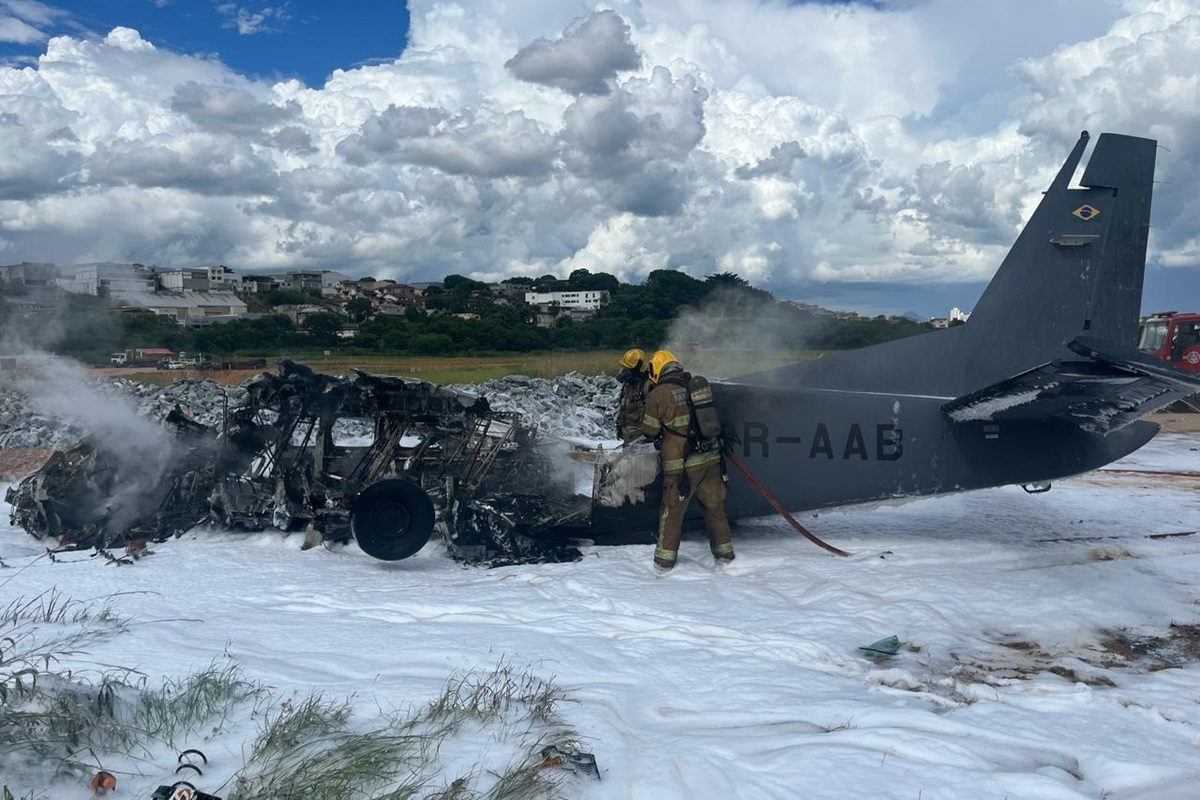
(433, 458)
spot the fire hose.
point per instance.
(783, 512)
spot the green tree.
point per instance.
(432, 344)
(323, 328)
(152, 330)
(435, 298)
(359, 308)
(290, 297)
(727, 279)
(548, 283)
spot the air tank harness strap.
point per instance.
(737, 462)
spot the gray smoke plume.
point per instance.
(140, 448)
(58, 388)
(732, 321)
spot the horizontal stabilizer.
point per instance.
(1114, 387)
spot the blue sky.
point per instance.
(879, 157)
(303, 39)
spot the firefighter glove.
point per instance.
(685, 486)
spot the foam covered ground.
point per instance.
(1038, 661)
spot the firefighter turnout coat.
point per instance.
(632, 407)
(686, 473)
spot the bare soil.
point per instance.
(163, 377)
(1179, 645)
(1176, 423)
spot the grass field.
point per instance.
(473, 369)
(715, 364)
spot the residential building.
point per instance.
(297, 314)
(304, 280)
(199, 279)
(111, 280)
(505, 293)
(958, 315)
(399, 293)
(259, 284)
(585, 300)
(184, 308)
(29, 274)
(317, 281)
(547, 316)
(810, 308)
(330, 281)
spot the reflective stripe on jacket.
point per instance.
(667, 414)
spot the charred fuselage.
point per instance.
(424, 458)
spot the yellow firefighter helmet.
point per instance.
(634, 359)
(662, 363)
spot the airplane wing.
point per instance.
(1112, 388)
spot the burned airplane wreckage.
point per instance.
(496, 490)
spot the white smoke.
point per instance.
(727, 333)
(141, 450)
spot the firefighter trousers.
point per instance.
(707, 487)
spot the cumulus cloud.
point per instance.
(797, 145)
(1142, 77)
(248, 22)
(222, 109)
(635, 144)
(474, 143)
(584, 60)
(778, 162)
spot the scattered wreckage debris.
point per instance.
(570, 760)
(496, 490)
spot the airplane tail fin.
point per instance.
(1077, 267)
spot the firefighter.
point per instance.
(634, 385)
(690, 467)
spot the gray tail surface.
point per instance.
(1077, 267)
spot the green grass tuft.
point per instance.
(57, 722)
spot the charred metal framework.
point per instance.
(437, 459)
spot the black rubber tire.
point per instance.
(391, 519)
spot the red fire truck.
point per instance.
(1173, 337)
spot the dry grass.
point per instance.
(57, 725)
(474, 369)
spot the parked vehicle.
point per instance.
(141, 357)
(1173, 337)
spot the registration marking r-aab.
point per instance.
(846, 442)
